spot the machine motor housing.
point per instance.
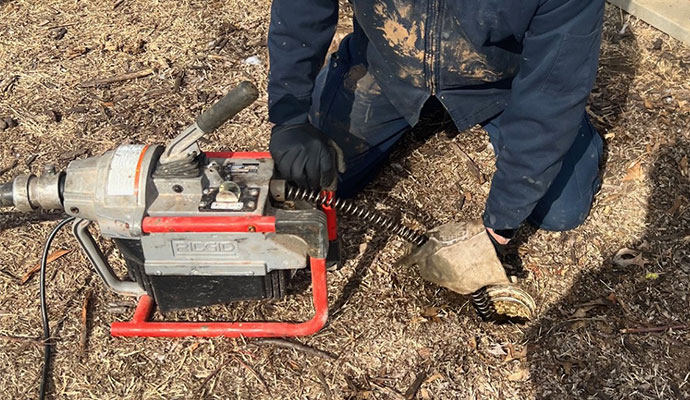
(212, 234)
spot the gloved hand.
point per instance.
(305, 155)
(509, 257)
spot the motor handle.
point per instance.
(227, 107)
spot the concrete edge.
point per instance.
(658, 16)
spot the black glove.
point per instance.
(501, 249)
(508, 256)
(305, 155)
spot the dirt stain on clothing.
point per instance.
(467, 61)
(399, 36)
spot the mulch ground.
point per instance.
(392, 335)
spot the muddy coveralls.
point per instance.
(523, 69)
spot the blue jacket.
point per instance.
(531, 61)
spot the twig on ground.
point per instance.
(299, 347)
(8, 274)
(178, 81)
(655, 329)
(8, 168)
(84, 322)
(52, 257)
(253, 371)
(324, 383)
(414, 388)
(211, 376)
(469, 162)
(118, 78)
(7, 83)
(19, 339)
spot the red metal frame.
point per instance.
(238, 154)
(331, 218)
(261, 224)
(140, 325)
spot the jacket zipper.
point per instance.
(427, 46)
(432, 45)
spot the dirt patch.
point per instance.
(389, 329)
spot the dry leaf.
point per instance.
(432, 313)
(520, 375)
(472, 343)
(433, 377)
(194, 346)
(496, 350)
(424, 394)
(424, 352)
(52, 257)
(635, 173)
(567, 366)
(626, 257)
(676, 205)
(513, 354)
(612, 298)
(648, 104)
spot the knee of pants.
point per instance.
(567, 203)
(562, 216)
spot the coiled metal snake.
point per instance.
(480, 299)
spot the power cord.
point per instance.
(44, 308)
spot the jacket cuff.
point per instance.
(501, 218)
(289, 109)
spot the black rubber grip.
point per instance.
(232, 103)
(6, 195)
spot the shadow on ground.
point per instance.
(577, 348)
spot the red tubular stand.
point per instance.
(331, 218)
(141, 326)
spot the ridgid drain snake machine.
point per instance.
(200, 228)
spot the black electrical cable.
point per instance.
(44, 308)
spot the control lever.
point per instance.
(184, 147)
